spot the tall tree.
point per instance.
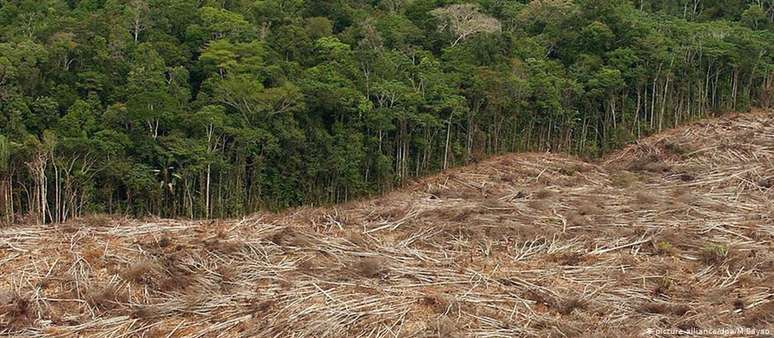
(465, 20)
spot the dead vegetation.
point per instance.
(672, 232)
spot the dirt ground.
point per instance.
(674, 232)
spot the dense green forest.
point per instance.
(182, 108)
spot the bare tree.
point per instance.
(37, 169)
(138, 15)
(6, 204)
(465, 20)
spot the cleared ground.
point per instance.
(674, 232)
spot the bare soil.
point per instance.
(674, 232)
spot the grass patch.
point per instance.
(664, 248)
(714, 253)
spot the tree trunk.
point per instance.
(207, 198)
(734, 89)
(446, 145)
(663, 104)
(4, 201)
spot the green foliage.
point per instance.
(225, 57)
(220, 108)
(5, 154)
(221, 23)
(714, 253)
(79, 121)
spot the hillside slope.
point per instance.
(674, 232)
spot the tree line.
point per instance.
(207, 108)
